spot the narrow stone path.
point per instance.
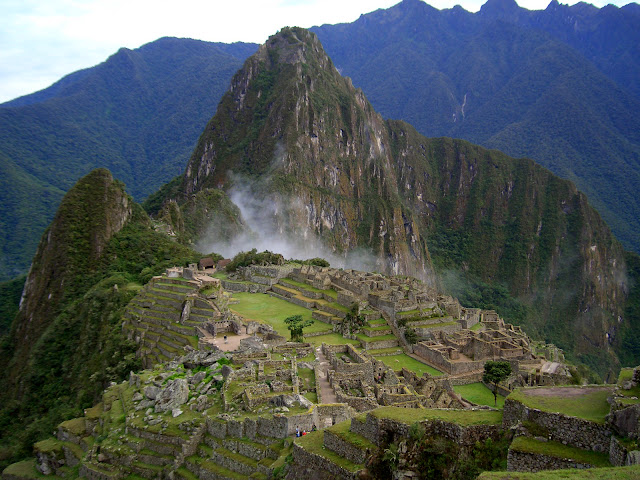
(326, 392)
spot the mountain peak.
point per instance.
(500, 9)
(291, 45)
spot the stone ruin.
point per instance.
(364, 383)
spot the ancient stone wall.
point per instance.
(244, 287)
(572, 431)
(535, 462)
(428, 332)
(317, 467)
(345, 449)
(617, 452)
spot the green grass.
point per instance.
(591, 404)
(314, 442)
(479, 394)
(25, 469)
(619, 473)
(330, 339)
(343, 431)
(48, 445)
(558, 450)
(382, 338)
(289, 281)
(459, 417)
(384, 351)
(396, 362)
(625, 375)
(272, 311)
(76, 426)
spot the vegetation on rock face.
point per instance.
(94, 257)
(558, 85)
(252, 257)
(10, 293)
(353, 320)
(433, 457)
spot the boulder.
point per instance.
(226, 371)
(633, 458)
(197, 378)
(176, 393)
(201, 404)
(151, 392)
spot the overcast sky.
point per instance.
(43, 40)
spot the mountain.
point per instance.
(295, 137)
(138, 114)
(66, 342)
(558, 85)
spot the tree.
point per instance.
(295, 324)
(411, 336)
(495, 372)
(353, 321)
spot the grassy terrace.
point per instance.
(619, 473)
(330, 339)
(314, 443)
(438, 325)
(287, 281)
(381, 338)
(459, 417)
(403, 360)
(626, 374)
(25, 469)
(271, 310)
(558, 450)
(342, 430)
(479, 394)
(589, 403)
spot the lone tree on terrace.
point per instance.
(295, 324)
(495, 372)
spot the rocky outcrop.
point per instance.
(329, 167)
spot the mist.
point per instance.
(267, 219)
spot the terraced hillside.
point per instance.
(171, 313)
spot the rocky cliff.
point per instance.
(310, 143)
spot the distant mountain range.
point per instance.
(138, 114)
(561, 86)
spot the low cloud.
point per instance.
(267, 218)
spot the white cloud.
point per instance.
(42, 41)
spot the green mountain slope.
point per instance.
(66, 342)
(137, 114)
(555, 85)
(308, 142)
